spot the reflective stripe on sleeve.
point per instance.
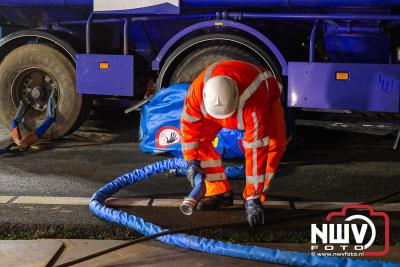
(256, 144)
(211, 177)
(211, 163)
(207, 75)
(189, 118)
(190, 146)
(248, 93)
(203, 109)
(279, 86)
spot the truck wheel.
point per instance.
(184, 64)
(198, 60)
(30, 73)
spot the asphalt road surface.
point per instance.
(338, 163)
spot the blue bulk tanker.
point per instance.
(36, 12)
(94, 49)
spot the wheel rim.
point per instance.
(34, 87)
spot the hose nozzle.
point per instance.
(189, 203)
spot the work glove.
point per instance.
(254, 212)
(193, 168)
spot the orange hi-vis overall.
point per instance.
(259, 114)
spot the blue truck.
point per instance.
(329, 54)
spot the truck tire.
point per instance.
(185, 63)
(198, 60)
(30, 73)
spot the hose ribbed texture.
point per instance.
(3, 151)
(267, 255)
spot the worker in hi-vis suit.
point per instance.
(234, 95)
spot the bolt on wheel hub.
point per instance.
(34, 86)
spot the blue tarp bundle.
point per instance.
(160, 130)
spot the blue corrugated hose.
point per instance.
(7, 149)
(3, 151)
(268, 255)
(232, 172)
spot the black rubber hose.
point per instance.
(139, 240)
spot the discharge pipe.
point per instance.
(189, 203)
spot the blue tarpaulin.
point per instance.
(160, 129)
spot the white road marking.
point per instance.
(277, 204)
(5, 199)
(161, 202)
(387, 206)
(304, 205)
(338, 205)
(237, 202)
(127, 202)
(42, 200)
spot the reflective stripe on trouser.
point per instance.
(277, 141)
(276, 148)
(256, 161)
(216, 181)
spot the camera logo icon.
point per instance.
(335, 238)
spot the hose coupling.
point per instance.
(188, 205)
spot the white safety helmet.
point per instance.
(220, 97)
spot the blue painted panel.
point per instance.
(370, 87)
(361, 42)
(115, 77)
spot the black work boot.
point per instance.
(214, 202)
